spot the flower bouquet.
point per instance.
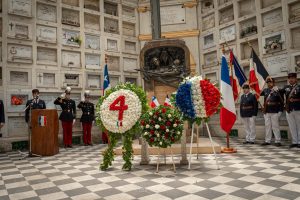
(118, 113)
(162, 126)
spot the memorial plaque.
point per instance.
(46, 34)
(46, 55)
(208, 41)
(92, 61)
(210, 59)
(93, 81)
(295, 38)
(71, 80)
(71, 59)
(128, 29)
(92, 5)
(212, 77)
(19, 53)
(18, 77)
(70, 17)
(221, 2)
(110, 8)
(49, 99)
(266, 3)
(248, 27)
(227, 34)
(130, 64)
(277, 64)
(71, 2)
(273, 42)
(130, 46)
(45, 79)
(246, 49)
(20, 7)
(113, 63)
(46, 12)
(19, 31)
(131, 80)
(246, 7)
(71, 38)
(207, 5)
(17, 101)
(294, 12)
(92, 42)
(128, 11)
(112, 45)
(272, 17)
(114, 80)
(172, 15)
(17, 127)
(92, 21)
(111, 25)
(226, 15)
(208, 22)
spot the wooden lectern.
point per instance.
(44, 138)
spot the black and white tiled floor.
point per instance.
(255, 172)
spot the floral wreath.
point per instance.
(118, 112)
(197, 99)
(161, 126)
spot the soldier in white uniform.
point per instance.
(248, 111)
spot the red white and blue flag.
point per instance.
(167, 101)
(228, 112)
(154, 103)
(42, 120)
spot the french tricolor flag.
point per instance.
(154, 103)
(42, 120)
(228, 112)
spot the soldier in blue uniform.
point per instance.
(87, 117)
(67, 116)
(292, 106)
(248, 112)
(34, 103)
(2, 116)
(272, 109)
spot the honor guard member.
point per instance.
(87, 117)
(34, 103)
(67, 115)
(292, 106)
(272, 109)
(2, 116)
(248, 112)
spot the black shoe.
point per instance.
(91, 144)
(293, 145)
(251, 142)
(65, 146)
(277, 144)
(246, 142)
(86, 144)
(70, 146)
(265, 143)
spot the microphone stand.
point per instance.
(29, 154)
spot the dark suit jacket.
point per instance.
(2, 116)
(34, 105)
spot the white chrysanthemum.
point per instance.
(159, 119)
(160, 143)
(197, 97)
(167, 130)
(157, 135)
(169, 115)
(147, 126)
(150, 113)
(157, 126)
(174, 125)
(146, 133)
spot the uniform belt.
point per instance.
(294, 100)
(273, 103)
(67, 110)
(247, 107)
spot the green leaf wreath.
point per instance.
(128, 136)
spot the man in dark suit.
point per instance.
(67, 116)
(34, 103)
(248, 112)
(2, 115)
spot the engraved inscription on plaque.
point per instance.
(20, 7)
(46, 79)
(113, 63)
(70, 17)
(272, 17)
(208, 41)
(208, 22)
(71, 59)
(294, 12)
(221, 2)
(111, 25)
(49, 99)
(71, 80)
(112, 45)
(92, 42)
(295, 38)
(93, 81)
(110, 8)
(17, 126)
(226, 15)
(71, 2)
(46, 55)
(227, 34)
(277, 64)
(128, 29)
(128, 12)
(46, 34)
(92, 61)
(266, 3)
(46, 12)
(92, 5)
(210, 59)
(172, 15)
(130, 64)
(19, 53)
(130, 46)
(19, 31)
(71, 38)
(91, 22)
(246, 7)
(18, 77)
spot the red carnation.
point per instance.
(163, 110)
(166, 136)
(172, 139)
(162, 127)
(143, 122)
(168, 123)
(152, 122)
(152, 132)
(157, 113)
(151, 139)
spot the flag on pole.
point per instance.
(258, 74)
(167, 101)
(154, 103)
(228, 112)
(106, 82)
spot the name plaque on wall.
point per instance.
(93, 81)
(92, 42)
(20, 7)
(227, 34)
(277, 64)
(92, 22)
(208, 41)
(92, 61)
(71, 59)
(112, 45)
(46, 34)
(46, 79)
(172, 15)
(17, 126)
(19, 30)
(71, 38)
(208, 22)
(130, 46)
(71, 80)
(46, 55)
(272, 17)
(19, 77)
(114, 63)
(130, 64)
(19, 53)
(46, 12)
(70, 17)
(17, 101)
(49, 99)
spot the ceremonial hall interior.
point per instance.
(149, 51)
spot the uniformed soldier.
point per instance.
(272, 109)
(34, 103)
(87, 117)
(292, 105)
(2, 116)
(67, 115)
(248, 111)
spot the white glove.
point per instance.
(275, 88)
(74, 120)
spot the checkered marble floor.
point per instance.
(255, 172)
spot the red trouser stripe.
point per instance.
(87, 129)
(67, 132)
